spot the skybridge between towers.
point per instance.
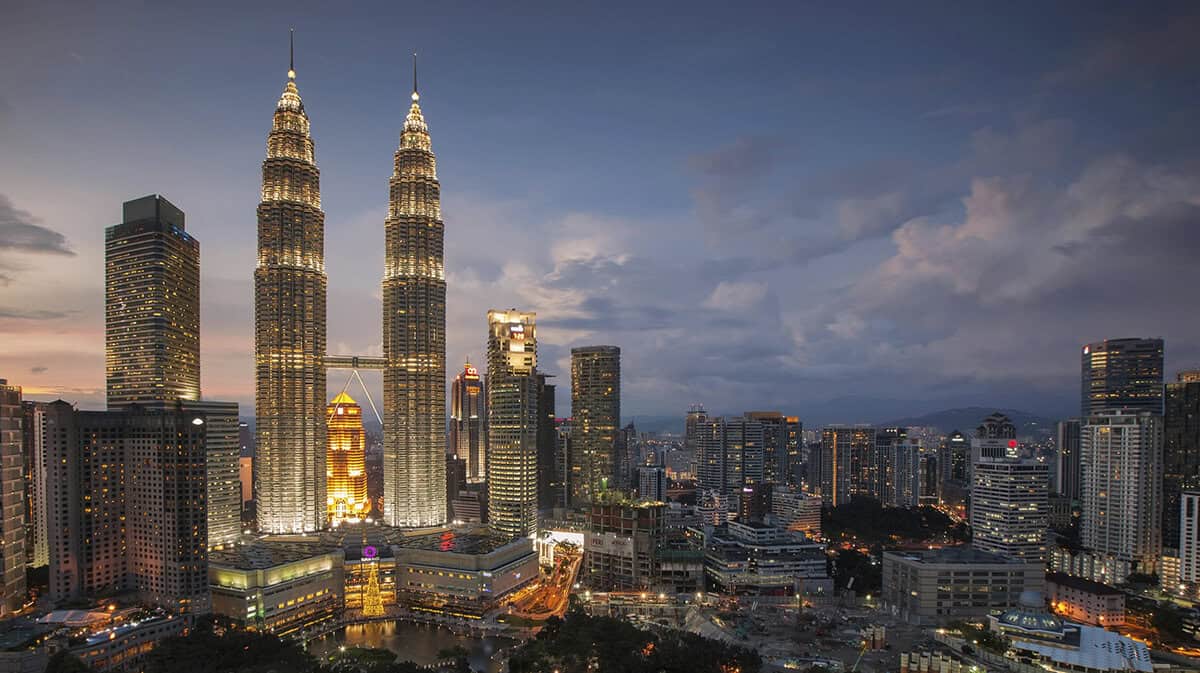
(354, 363)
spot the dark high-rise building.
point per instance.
(512, 422)
(414, 333)
(12, 501)
(1123, 374)
(1181, 449)
(468, 412)
(127, 504)
(547, 444)
(289, 328)
(1067, 468)
(596, 409)
(456, 481)
(152, 306)
(560, 488)
(624, 462)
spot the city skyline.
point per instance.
(590, 265)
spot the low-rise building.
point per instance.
(277, 586)
(1092, 565)
(1085, 601)
(759, 559)
(461, 573)
(121, 647)
(940, 585)
(1049, 644)
(797, 511)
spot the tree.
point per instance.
(202, 651)
(65, 662)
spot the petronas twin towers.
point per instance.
(290, 331)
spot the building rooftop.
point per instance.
(962, 554)
(1082, 584)
(1098, 650)
(262, 554)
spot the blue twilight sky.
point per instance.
(846, 212)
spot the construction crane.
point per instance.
(861, 652)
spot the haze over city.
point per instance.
(856, 213)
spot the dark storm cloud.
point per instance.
(20, 232)
(1169, 44)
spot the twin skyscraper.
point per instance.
(290, 331)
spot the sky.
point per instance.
(850, 212)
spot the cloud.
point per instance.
(1006, 293)
(20, 232)
(31, 314)
(40, 369)
(1169, 45)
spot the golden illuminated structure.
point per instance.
(414, 334)
(467, 438)
(512, 407)
(372, 598)
(151, 306)
(346, 461)
(596, 414)
(289, 327)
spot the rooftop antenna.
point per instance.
(415, 95)
(292, 54)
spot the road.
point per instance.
(551, 596)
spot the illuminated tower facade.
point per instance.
(596, 408)
(414, 334)
(346, 461)
(151, 306)
(512, 406)
(468, 440)
(289, 327)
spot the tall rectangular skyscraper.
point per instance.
(152, 305)
(12, 501)
(289, 328)
(468, 414)
(1010, 495)
(596, 408)
(1121, 455)
(839, 469)
(729, 454)
(152, 309)
(512, 407)
(33, 452)
(1125, 374)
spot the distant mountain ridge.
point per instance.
(966, 419)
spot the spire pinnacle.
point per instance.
(292, 54)
(415, 96)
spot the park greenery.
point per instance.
(864, 521)
(581, 643)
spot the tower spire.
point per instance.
(415, 95)
(292, 54)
